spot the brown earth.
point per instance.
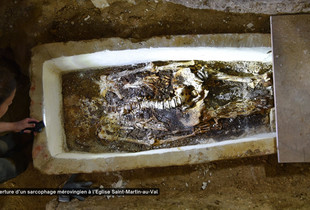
(259, 182)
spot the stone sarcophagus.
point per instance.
(165, 101)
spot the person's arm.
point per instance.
(17, 126)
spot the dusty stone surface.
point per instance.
(291, 73)
(247, 6)
(259, 183)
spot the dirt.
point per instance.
(251, 183)
(259, 182)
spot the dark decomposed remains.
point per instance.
(166, 104)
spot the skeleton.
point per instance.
(161, 103)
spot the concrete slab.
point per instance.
(291, 54)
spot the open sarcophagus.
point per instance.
(165, 101)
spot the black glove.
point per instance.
(38, 127)
(70, 184)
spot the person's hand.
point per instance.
(25, 123)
